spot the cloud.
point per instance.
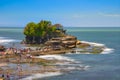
(109, 15)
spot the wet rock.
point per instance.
(83, 45)
(2, 48)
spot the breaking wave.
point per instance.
(55, 57)
(106, 50)
(93, 43)
(4, 40)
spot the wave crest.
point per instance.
(55, 57)
(4, 40)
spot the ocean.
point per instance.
(102, 66)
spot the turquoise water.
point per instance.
(103, 66)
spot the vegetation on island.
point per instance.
(37, 33)
(55, 36)
(54, 40)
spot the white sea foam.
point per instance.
(107, 51)
(87, 67)
(55, 57)
(42, 75)
(93, 43)
(4, 40)
(64, 63)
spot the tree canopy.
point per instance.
(42, 31)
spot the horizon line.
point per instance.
(67, 26)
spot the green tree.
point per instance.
(43, 27)
(30, 32)
(42, 31)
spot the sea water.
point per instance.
(102, 66)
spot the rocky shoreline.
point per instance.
(28, 56)
(55, 46)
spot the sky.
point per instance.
(69, 13)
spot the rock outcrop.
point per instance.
(63, 42)
(2, 48)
